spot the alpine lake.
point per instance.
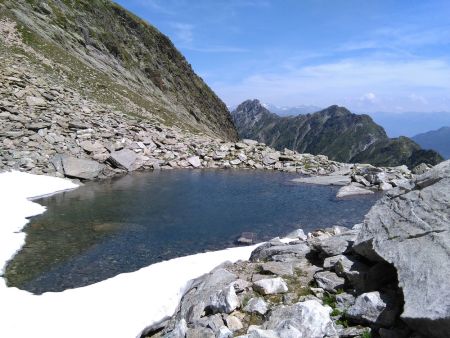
(123, 224)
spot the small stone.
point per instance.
(33, 101)
(329, 281)
(271, 286)
(256, 305)
(233, 323)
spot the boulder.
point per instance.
(374, 308)
(334, 245)
(280, 252)
(410, 230)
(125, 159)
(256, 305)
(81, 168)
(194, 161)
(297, 234)
(329, 281)
(33, 101)
(308, 318)
(270, 286)
(224, 301)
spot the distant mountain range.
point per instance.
(291, 111)
(411, 123)
(438, 140)
(333, 131)
(395, 124)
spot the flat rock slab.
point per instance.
(325, 180)
(352, 190)
(81, 168)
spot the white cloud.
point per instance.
(183, 32)
(342, 83)
(368, 97)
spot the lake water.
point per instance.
(110, 227)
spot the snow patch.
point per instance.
(119, 307)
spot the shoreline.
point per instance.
(101, 309)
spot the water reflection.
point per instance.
(106, 228)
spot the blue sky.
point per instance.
(368, 55)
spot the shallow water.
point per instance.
(110, 227)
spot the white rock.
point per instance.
(257, 305)
(224, 332)
(224, 301)
(352, 190)
(194, 161)
(271, 286)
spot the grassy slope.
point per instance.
(119, 59)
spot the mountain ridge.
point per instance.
(438, 140)
(114, 57)
(334, 131)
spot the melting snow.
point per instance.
(118, 307)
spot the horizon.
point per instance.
(384, 56)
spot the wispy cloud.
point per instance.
(183, 32)
(350, 82)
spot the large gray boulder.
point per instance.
(410, 230)
(80, 168)
(125, 159)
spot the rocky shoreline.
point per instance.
(53, 130)
(382, 278)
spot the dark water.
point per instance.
(103, 229)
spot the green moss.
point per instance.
(366, 334)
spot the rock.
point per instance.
(224, 332)
(233, 323)
(38, 125)
(297, 234)
(246, 238)
(80, 168)
(271, 286)
(125, 159)
(344, 301)
(92, 147)
(78, 125)
(34, 101)
(352, 190)
(334, 245)
(355, 271)
(194, 161)
(280, 252)
(420, 169)
(224, 301)
(235, 162)
(278, 268)
(325, 180)
(256, 305)
(411, 232)
(374, 308)
(329, 281)
(199, 332)
(385, 186)
(309, 319)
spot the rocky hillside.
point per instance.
(438, 140)
(111, 57)
(334, 132)
(369, 281)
